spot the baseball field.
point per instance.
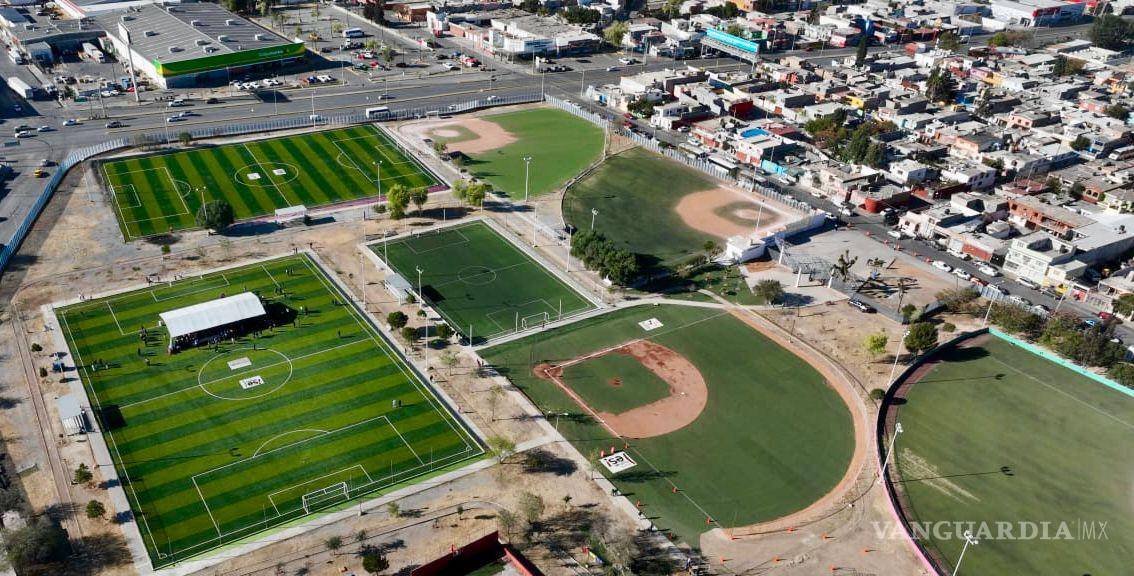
(1029, 456)
(222, 440)
(662, 210)
(559, 144)
(480, 282)
(160, 193)
(726, 427)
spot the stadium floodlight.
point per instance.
(969, 541)
(594, 212)
(527, 170)
(378, 164)
(420, 296)
(890, 451)
(894, 368)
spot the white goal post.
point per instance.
(334, 492)
(533, 320)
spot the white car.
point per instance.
(988, 270)
(177, 118)
(44, 128)
(1019, 300)
(963, 275)
(492, 98)
(626, 61)
(938, 264)
(70, 122)
(895, 234)
(24, 134)
(325, 78)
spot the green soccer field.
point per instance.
(482, 284)
(773, 437)
(218, 442)
(559, 144)
(995, 434)
(161, 193)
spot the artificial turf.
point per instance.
(635, 193)
(482, 284)
(615, 383)
(773, 438)
(160, 193)
(205, 461)
(559, 144)
(993, 433)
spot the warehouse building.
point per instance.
(194, 44)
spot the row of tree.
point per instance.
(1064, 333)
(857, 146)
(598, 253)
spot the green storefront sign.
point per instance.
(220, 61)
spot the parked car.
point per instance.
(988, 270)
(114, 124)
(1040, 309)
(1026, 283)
(177, 118)
(44, 128)
(40, 173)
(940, 265)
(896, 234)
(861, 306)
(1019, 300)
(212, 101)
(70, 122)
(962, 274)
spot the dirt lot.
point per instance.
(467, 134)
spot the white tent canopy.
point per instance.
(212, 314)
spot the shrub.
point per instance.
(35, 347)
(877, 394)
(948, 327)
(397, 319)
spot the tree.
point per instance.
(939, 86)
(875, 344)
(508, 523)
(877, 394)
(581, 15)
(614, 33)
(83, 474)
(769, 291)
(909, 311)
(531, 507)
(419, 196)
(503, 447)
(440, 147)
(333, 544)
(641, 108)
(860, 52)
(875, 155)
(1065, 66)
(95, 509)
(1118, 112)
(409, 334)
(1007, 38)
(397, 319)
(1080, 143)
(532, 6)
(1123, 305)
(185, 138)
(949, 41)
(394, 510)
(398, 198)
(37, 547)
(215, 215)
(843, 266)
(922, 337)
(672, 8)
(726, 11)
(1054, 185)
(1110, 32)
(373, 561)
(443, 332)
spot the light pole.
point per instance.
(527, 169)
(969, 541)
(420, 304)
(557, 415)
(378, 164)
(594, 212)
(890, 451)
(897, 355)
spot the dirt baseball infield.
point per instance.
(688, 393)
(725, 213)
(486, 135)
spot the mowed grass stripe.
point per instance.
(181, 431)
(322, 180)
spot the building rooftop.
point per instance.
(178, 32)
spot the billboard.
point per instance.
(733, 41)
(231, 59)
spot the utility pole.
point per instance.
(527, 169)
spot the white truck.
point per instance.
(23, 89)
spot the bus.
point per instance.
(377, 112)
(353, 33)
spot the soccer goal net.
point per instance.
(534, 320)
(323, 496)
